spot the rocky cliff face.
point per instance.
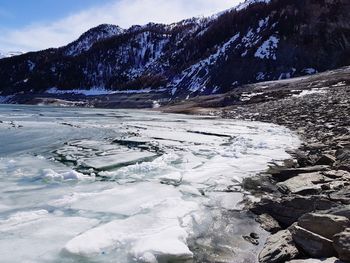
(259, 40)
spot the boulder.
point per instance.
(309, 183)
(338, 174)
(326, 159)
(278, 248)
(252, 238)
(342, 195)
(341, 243)
(259, 183)
(287, 210)
(314, 260)
(324, 224)
(340, 211)
(343, 159)
(285, 174)
(302, 158)
(311, 243)
(268, 223)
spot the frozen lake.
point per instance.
(89, 185)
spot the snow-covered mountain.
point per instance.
(89, 38)
(9, 54)
(257, 41)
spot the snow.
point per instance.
(215, 90)
(340, 84)
(260, 76)
(50, 175)
(248, 96)
(31, 65)
(249, 40)
(101, 91)
(247, 3)
(263, 23)
(287, 75)
(309, 71)
(199, 82)
(90, 92)
(268, 49)
(87, 40)
(311, 91)
(156, 104)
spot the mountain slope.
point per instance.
(259, 40)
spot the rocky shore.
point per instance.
(304, 203)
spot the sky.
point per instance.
(31, 25)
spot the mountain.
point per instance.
(257, 41)
(9, 54)
(89, 38)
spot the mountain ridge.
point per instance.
(260, 40)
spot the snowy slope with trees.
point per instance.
(259, 40)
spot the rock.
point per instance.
(340, 211)
(343, 159)
(317, 146)
(339, 174)
(259, 183)
(252, 238)
(343, 154)
(311, 243)
(308, 183)
(288, 209)
(326, 159)
(302, 158)
(285, 174)
(278, 248)
(341, 244)
(313, 260)
(324, 224)
(268, 223)
(254, 235)
(342, 195)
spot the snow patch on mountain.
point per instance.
(309, 71)
(268, 49)
(89, 92)
(198, 72)
(88, 39)
(31, 65)
(247, 3)
(100, 91)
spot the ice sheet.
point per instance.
(82, 185)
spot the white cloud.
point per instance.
(122, 12)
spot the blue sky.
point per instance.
(29, 25)
(19, 13)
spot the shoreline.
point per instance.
(305, 203)
(313, 185)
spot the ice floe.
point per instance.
(124, 186)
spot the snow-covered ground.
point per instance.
(100, 91)
(84, 185)
(311, 91)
